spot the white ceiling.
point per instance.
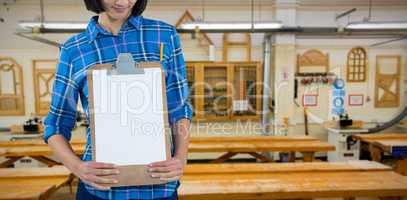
(216, 2)
(61, 10)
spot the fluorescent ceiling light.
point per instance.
(54, 25)
(231, 25)
(377, 25)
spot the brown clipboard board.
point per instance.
(130, 175)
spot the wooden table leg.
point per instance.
(375, 153)
(260, 157)
(10, 161)
(291, 157)
(307, 156)
(224, 157)
(47, 194)
(45, 160)
(70, 182)
(401, 167)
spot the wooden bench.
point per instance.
(252, 145)
(38, 152)
(394, 144)
(32, 183)
(291, 181)
(35, 142)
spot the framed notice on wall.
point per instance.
(309, 100)
(355, 100)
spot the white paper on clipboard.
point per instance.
(128, 117)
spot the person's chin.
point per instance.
(119, 16)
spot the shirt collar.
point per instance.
(93, 29)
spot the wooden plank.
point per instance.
(197, 144)
(35, 150)
(387, 144)
(36, 142)
(21, 143)
(251, 138)
(256, 146)
(55, 171)
(290, 181)
(32, 183)
(369, 137)
(34, 191)
(30, 188)
(284, 167)
(292, 186)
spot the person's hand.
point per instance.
(93, 173)
(169, 170)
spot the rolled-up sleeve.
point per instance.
(62, 112)
(179, 106)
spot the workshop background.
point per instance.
(280, 81)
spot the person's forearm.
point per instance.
(64, 151)
(182, 139)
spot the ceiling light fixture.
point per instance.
(377, 25)
(238, 26)
(54, 25)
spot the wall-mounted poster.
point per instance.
(338, 97)
(309, 100)
(355, 100)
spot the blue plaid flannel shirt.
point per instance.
(141, 37)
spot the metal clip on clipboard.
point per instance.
(125, 65)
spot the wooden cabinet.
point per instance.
(248, 85)
(224, 91)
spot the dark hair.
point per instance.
(97, 6)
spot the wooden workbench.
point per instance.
(32, 183)
(394, 144)
(40, 152)
(290, 181)
(252, 145)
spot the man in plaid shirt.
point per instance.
(118, 28)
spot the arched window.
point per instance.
(356, 65)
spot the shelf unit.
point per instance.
(190, 78)
(247, 86)
(217, 89)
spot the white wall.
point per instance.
(338, 58)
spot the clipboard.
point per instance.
(130, 174)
